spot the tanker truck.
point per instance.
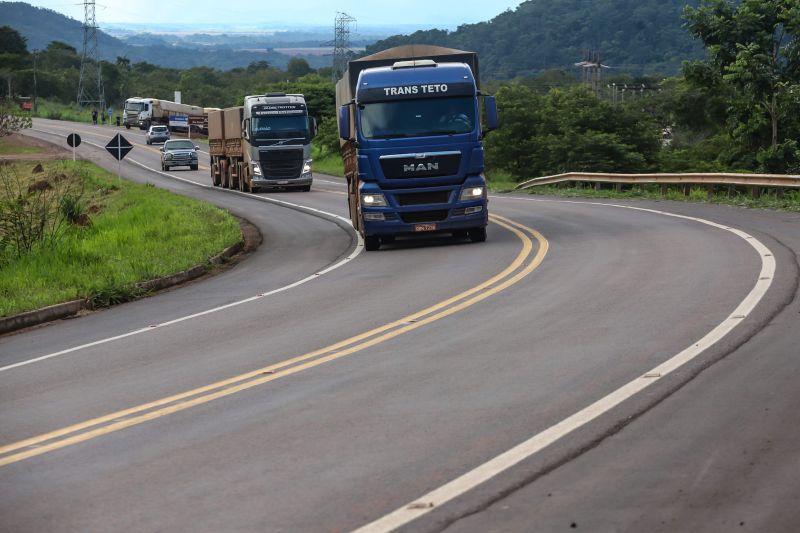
(266, 143)
(410, 138)
(144, 112)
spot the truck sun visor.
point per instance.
(407, 92)
(278, 109)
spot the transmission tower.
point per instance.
(592, 69)
(90, 84)
(341, 44)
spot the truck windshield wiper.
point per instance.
(284, 141)
(440, 132)
(393, 136)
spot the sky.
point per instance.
(295, 13)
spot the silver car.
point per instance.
(157, 134)
(179, 153)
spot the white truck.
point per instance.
(144, 112)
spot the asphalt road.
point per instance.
(431, 385)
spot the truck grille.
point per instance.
(420, 165)
(424, 216)
(419, 198)
(281, 164)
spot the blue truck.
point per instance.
(410, 137)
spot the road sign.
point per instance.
(74, 140)
(119, 147)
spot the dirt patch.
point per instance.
(48, 150)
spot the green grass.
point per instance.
(137, 233)
(738, 196)
(9, 147)
(330, 164)
(58, 111)
(499, 181)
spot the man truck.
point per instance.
(264, 143)
(145, 112)
(410, 137)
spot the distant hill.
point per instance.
(633, 36)
(40, 26)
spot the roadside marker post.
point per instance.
(74, 140)
(119, 147)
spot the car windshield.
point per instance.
(134, 106)
(417, 118)
(280, 127)
(179, 145)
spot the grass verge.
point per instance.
(9, 147)
(130, 233)
(330, 164)
(739, 196)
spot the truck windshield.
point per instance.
(271, 128)
(417, 118)
(134, 106)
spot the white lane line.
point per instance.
(341, 183)
(358, 250)
(436, 498)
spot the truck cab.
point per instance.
(414, 134)
(278, 133)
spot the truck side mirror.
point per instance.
(492, 120)
(344, 122)
(313, 126)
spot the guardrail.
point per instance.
(710, 180)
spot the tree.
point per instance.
(11, 42)
(298, 67)
(13, 54)
(569, 130)
(753, 51)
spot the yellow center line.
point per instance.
(219, 389)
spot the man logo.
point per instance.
(420, 167)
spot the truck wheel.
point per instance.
(215, 175)
(244, 186)
(233, 181)
(477, 234)
(306, 188)
(127, 126)
(372, 243)
(193, 167)
(224, 176)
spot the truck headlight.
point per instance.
(472, 193)
(307, 166)
(373, 200)
(168, 156)
(256, 169)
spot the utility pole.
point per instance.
(90, 84)
(35, 56)
(341, 44)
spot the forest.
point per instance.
(735, 108)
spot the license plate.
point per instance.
(283, 182)
(425, 227)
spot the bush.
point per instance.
(34, 209)
(12, 118)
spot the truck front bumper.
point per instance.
(303, 181)
(393, 223)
